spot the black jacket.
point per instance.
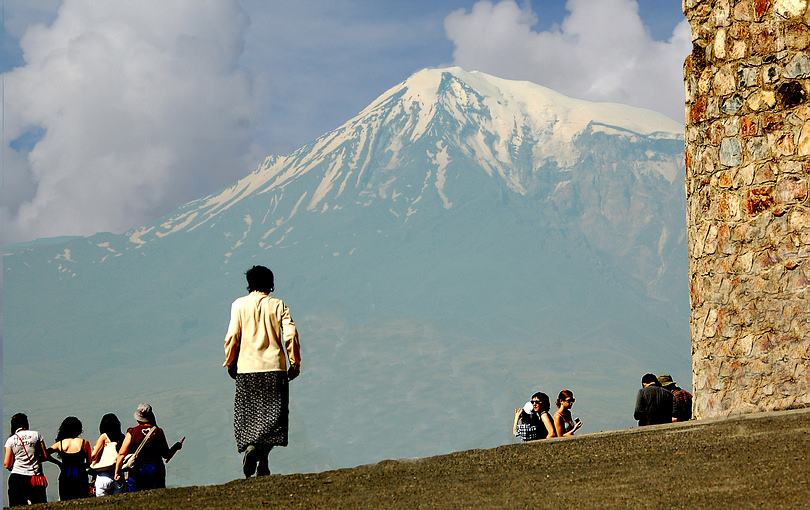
(654, 405)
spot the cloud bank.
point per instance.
(122, 111)
(601, 51)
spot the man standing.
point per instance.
(654, 404)
(260, 332)
(683, 399)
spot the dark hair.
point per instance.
(70, 427)
(544, 401)
(649, 378)
(111, 426)
(260, 278)
(564, 395)
(18, 421)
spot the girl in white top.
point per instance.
(23, 449)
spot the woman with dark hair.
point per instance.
(111, 437)
(533, 421)
(261, 339)
(75, 455)
(563, 423)
(23, 450)
(148, 471)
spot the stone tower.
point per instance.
(748, 214)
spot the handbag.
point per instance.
(36, 480)
(130, 458)
(105, 461)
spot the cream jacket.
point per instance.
(258, 324)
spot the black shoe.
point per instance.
(250, 460)
(262, 470)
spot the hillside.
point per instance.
(753, 461)
(461, 243)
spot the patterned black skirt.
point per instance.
(260, 409)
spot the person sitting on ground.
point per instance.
(110, 430)
(683, 399)
(148, 471)
(654, 404)
(534, 422)
(564, 424)
(23, 451)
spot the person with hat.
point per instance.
(683, 399)
(148, 471)
(654, 404)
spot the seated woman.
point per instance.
(75, 455)
(564, 425)
(535, 423)
(111, 438)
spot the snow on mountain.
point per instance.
(460, 243)
(515, 130)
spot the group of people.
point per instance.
(660, 400)
(104, 462)
(533, 421)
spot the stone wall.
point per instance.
(747, 169)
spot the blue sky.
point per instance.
(115, 113)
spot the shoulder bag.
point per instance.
(36, 480)
(130, 458)
(106, 461)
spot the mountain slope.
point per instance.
(462, 242)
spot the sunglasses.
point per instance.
(570, 400)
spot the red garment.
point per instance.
(156, 448)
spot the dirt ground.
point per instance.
(754, 461)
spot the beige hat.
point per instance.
(144, 414)
(666, 380)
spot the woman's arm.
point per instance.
(8, 460)
(552, 432)
(46, 453)
(558, 425)
(98, 447)
(514, 425)
(121, 452)
(87, 451)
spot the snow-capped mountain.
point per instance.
(462, 242)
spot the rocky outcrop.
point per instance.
(747, 162)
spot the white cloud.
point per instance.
(601, 51)
(142, 105)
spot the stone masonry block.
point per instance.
(791, 189)
(730, 152)
(790, 8)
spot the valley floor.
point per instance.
(753, 461)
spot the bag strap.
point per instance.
(26, 451)
(145, 439)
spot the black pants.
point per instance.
(20, 491)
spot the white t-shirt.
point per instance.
(25, 464)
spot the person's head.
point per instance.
(19, 421)
(649, 380)
(111, 426)
(565, 399)
(261, 279)
(71, 427)
(144, 414)
(540, 402)
(665, 380)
